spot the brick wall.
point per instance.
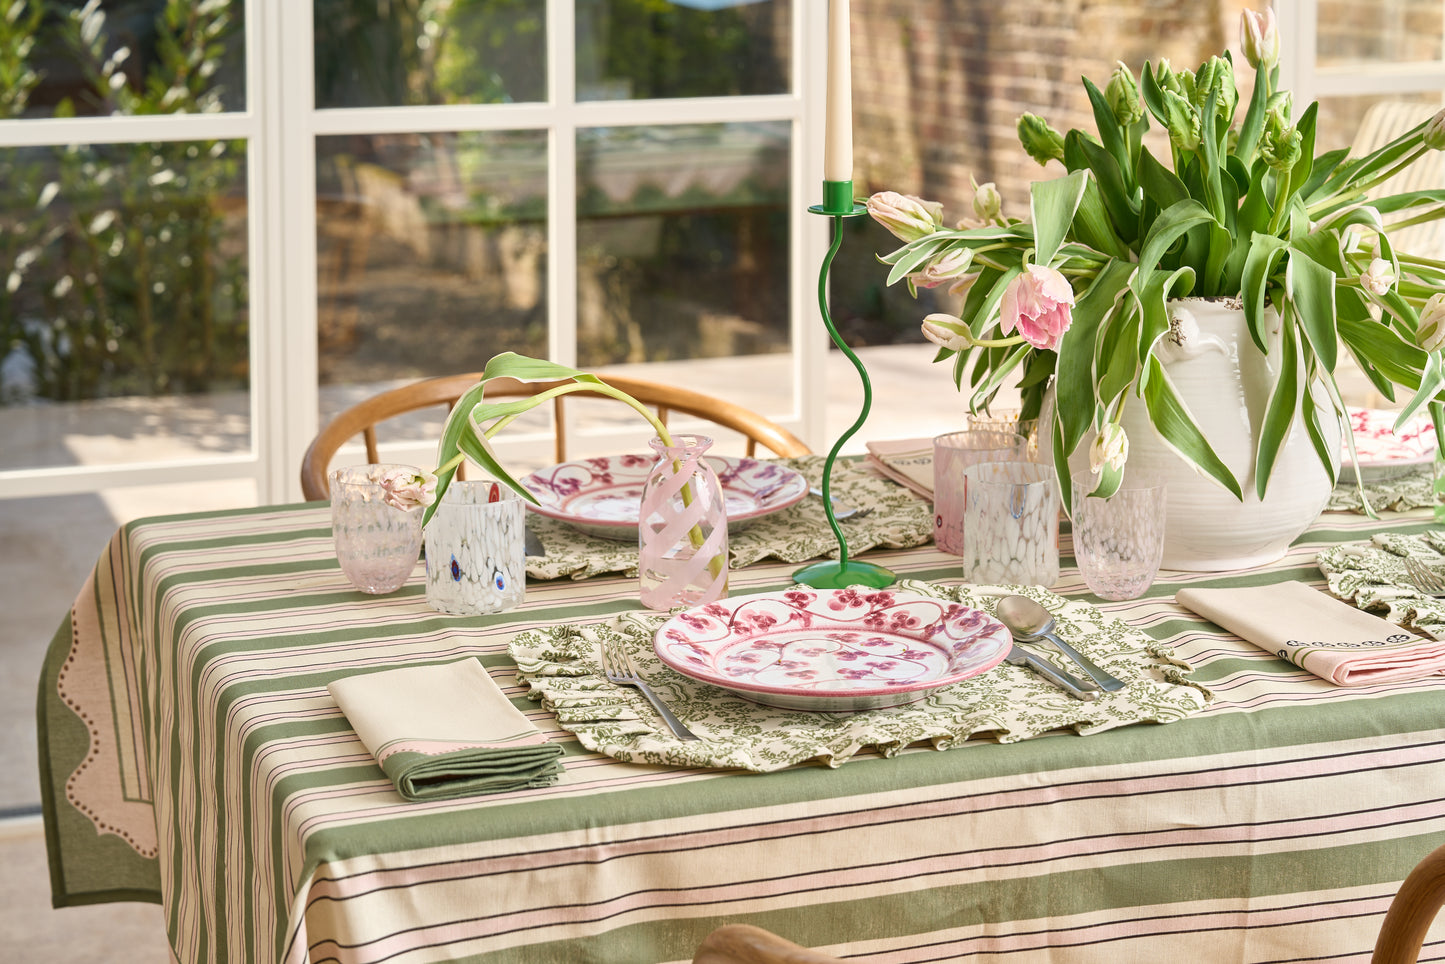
(939, 84)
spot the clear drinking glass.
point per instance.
(952, 454)
(1119, 541)
(1011, 524)
(377, 543)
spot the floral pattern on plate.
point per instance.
(832, 650)
(1380, 451)
(1007, 704)
(602, 496)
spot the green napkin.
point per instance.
(446, 731)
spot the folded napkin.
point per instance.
(906, 461)
(446, 731)
(1317, 632)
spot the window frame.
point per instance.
(280, 125)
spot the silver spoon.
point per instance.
(1030, 622)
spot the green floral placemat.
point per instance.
(1372, 576)
(1398, 494)
(560, 664)
(898, 520)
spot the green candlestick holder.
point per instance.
(838, 573)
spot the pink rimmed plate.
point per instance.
(603, 496)
(832, 650)
(1380, 452)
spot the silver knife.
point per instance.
(532, 545)
(1064, 681)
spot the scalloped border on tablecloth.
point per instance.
(898, 520)
(560, 664)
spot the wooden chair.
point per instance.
(745, 944)
(1412, 911)
(363, 417)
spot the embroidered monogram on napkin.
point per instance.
(1319, 633)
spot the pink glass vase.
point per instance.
(682, 530)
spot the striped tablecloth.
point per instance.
(191, 756)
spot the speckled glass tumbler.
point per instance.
(1011, 524)
(952, 454)
(476, 560)
(1119, 541)
(376, 543)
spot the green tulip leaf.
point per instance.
(1178, 430)
(1311, 287)
(1280, 411)
(1053, 204)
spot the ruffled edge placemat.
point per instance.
(1372, 576)
(1411, 490)
(560, 664)
(899, 520)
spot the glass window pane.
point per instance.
(682, 242)
(73, 57)
(1379, 32)
(649, 49)
(123, 309)
(431, 253)
(392, 53)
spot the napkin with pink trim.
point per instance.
(907, 461)
(446, 731)
(1319, 633)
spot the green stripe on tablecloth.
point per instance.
(1059, 895)
(1199, 736)
(109, 870)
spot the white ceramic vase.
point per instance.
(1225, 381)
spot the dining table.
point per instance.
(191, 755)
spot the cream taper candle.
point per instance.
(838, 127)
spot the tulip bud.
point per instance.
(949, 266)
(1123, 96)
(1166, 78)
(1259, 38)
(1042, 142)
(947, 331)
(1111, 448)
(907, 217)
(1280, 146)
(1183, 122)
(986, 201)
(1378, 277)
(1432, 323)
(1217, 77)
(1434, 133)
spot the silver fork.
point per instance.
(842, 511)
(1427, 580)
(617, 666)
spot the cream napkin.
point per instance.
(1317, 632)
(906, 461)
(446, 731)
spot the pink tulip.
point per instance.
(1040, 304)
(951, 266)
(908, 217)
(406, 489)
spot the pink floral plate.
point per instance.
(1380, 452)
(832, 649)
(602, 496)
